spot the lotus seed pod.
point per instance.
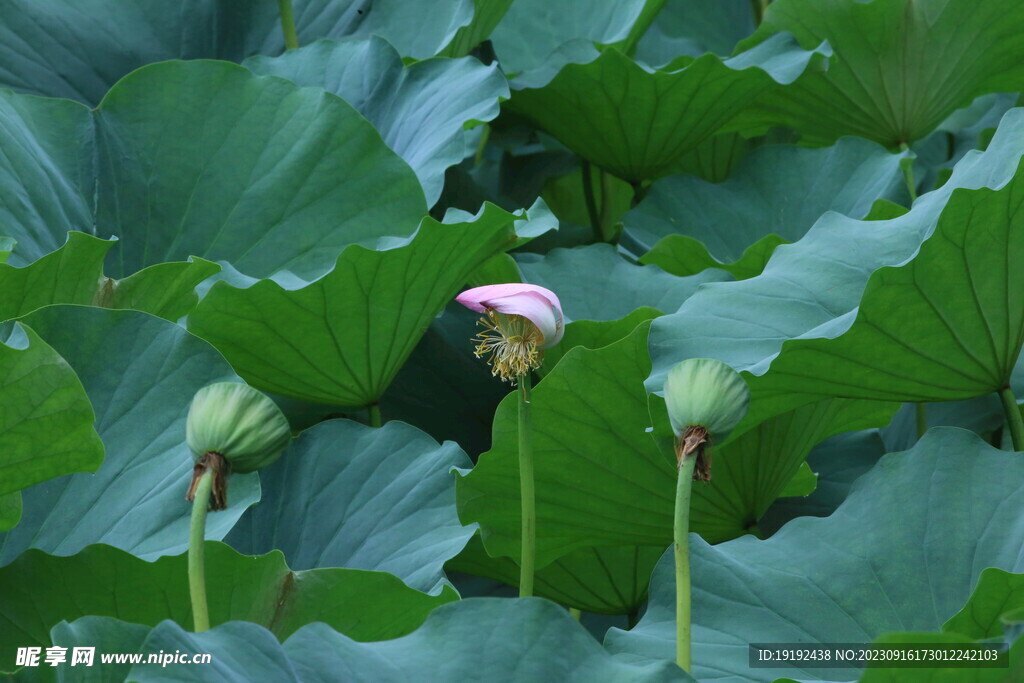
(238, 422)
(705, 392)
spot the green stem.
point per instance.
(197, 551)
(374, 409)
(684, 485)
(1013, 417)
(908, 174)
(482, 145)
(759, 7)
(921, 412)
(639, 192)
(606, 207)
(650, 12)
(529, 512)
(575, 613)
(588, 197)
(291, 38)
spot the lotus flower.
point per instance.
(520, 322)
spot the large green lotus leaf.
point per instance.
(538, 640)
(803, 483)
(840, 460)
(902, 66)
(475, 639)
(417, 28)
(248, 652)
(947, 325)
(902, 553)
(46, 419)
(601, 479)
(421, 110)
(74, 275)
(754, 469)
(671, 110)
(714, 159)
(486, 16)
(140, 373)
(543, 33)
(348, 495)
(811, 289)
(105, 581)
(47, 153)
(204, 158)
(596, 579)
(61, 48)
(593, 334)
(167, 290)
(776, 190)
(683, 256)
(622, 288)
(693, 27)
(997, 593)
(341, 339)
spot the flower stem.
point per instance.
(588, 196)
(196, 553)
(684, 485)
(907, 165)
(529, 512)
(921, 412)
(759, 7)
(291, 38)
(374, 409)
(607, 229)
(1013, 417)
(482, 145)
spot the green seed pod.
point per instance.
(704, 392)
(238, 422)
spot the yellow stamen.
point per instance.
(511, 341)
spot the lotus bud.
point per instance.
(232, 427)
(705, 399)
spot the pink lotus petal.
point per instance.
(476, 299)
(536, 308)
(537, 304)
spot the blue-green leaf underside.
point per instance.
(347, 495)
(901, 554)
(140, 374)
(202, 159)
